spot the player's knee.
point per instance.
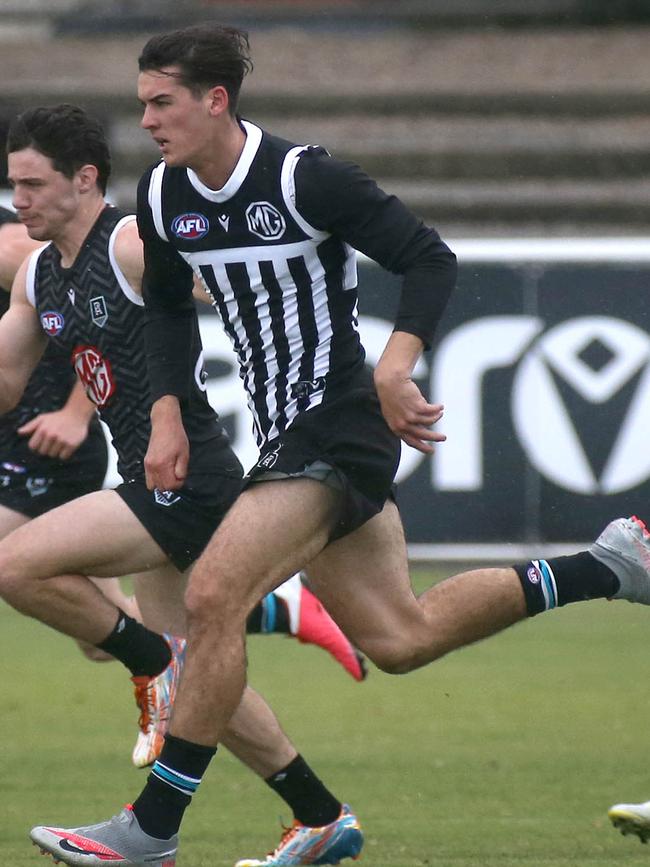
(400, 657)
(13, 581)
(211, 604)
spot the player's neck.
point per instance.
(222, 157)
(69, 242)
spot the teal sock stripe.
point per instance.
(549, 588)
(269, 613)
(185, 784)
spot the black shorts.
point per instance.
(182, 522)
(348, 435)
(32, 485)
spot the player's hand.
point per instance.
(403, 405)
(55, 434)
(409, 415)
(168, 454)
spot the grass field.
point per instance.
(507, 753)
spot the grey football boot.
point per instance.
(624, 546)
(120, 841)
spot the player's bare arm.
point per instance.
(129, 255)
(22, 343)
(59, 434)
(403, 405)
(168, 453)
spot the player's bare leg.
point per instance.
(271, 531)
(364, 582)
(93, 535)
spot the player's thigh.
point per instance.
(10, 520)
(363, 581)
(271, 531)
(92, 535)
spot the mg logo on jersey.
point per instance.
(590, 362)
(95, 373)
(52, 322)
(191, 227)
(265, 221)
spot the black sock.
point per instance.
(552, 583)
(142, 651)
(173, 780)
(270, 615)
(311, 802)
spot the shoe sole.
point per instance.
(166, 863)
(628, 823)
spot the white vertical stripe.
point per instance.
(155, 199)
(124, 284)
(288, 185)
(30, 276)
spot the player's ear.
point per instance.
(217, 98)
(86, 178)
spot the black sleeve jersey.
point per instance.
(7, 216)
(169, 308)
(340, 198)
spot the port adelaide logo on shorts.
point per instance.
(191, 227)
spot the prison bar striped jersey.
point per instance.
(274, 249)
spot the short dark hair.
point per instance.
(66, 134)
(206, 54)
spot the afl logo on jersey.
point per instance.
(52, 322)
(265, 221)
(95, 373)
(191, 227)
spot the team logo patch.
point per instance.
(304, 387)
(191, 227)
(52, 322)
(533, 574)
(165, 498)
(270, 459)
(98, 311)
(13, 468)
(265, 221)
(95, 373)
(37, 485)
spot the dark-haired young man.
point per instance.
(81, 295)
(52, 448)
(269, 228)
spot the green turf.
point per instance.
(507, 753)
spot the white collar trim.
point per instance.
(238, 176)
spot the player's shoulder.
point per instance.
(126, 249)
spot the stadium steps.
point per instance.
(484, 132)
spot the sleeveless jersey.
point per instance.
(286, 291)
(48, 387)
(92, 315)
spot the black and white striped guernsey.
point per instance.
(273, 249)
(92, 315)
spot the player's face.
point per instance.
(44, 199)
(178, 120)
